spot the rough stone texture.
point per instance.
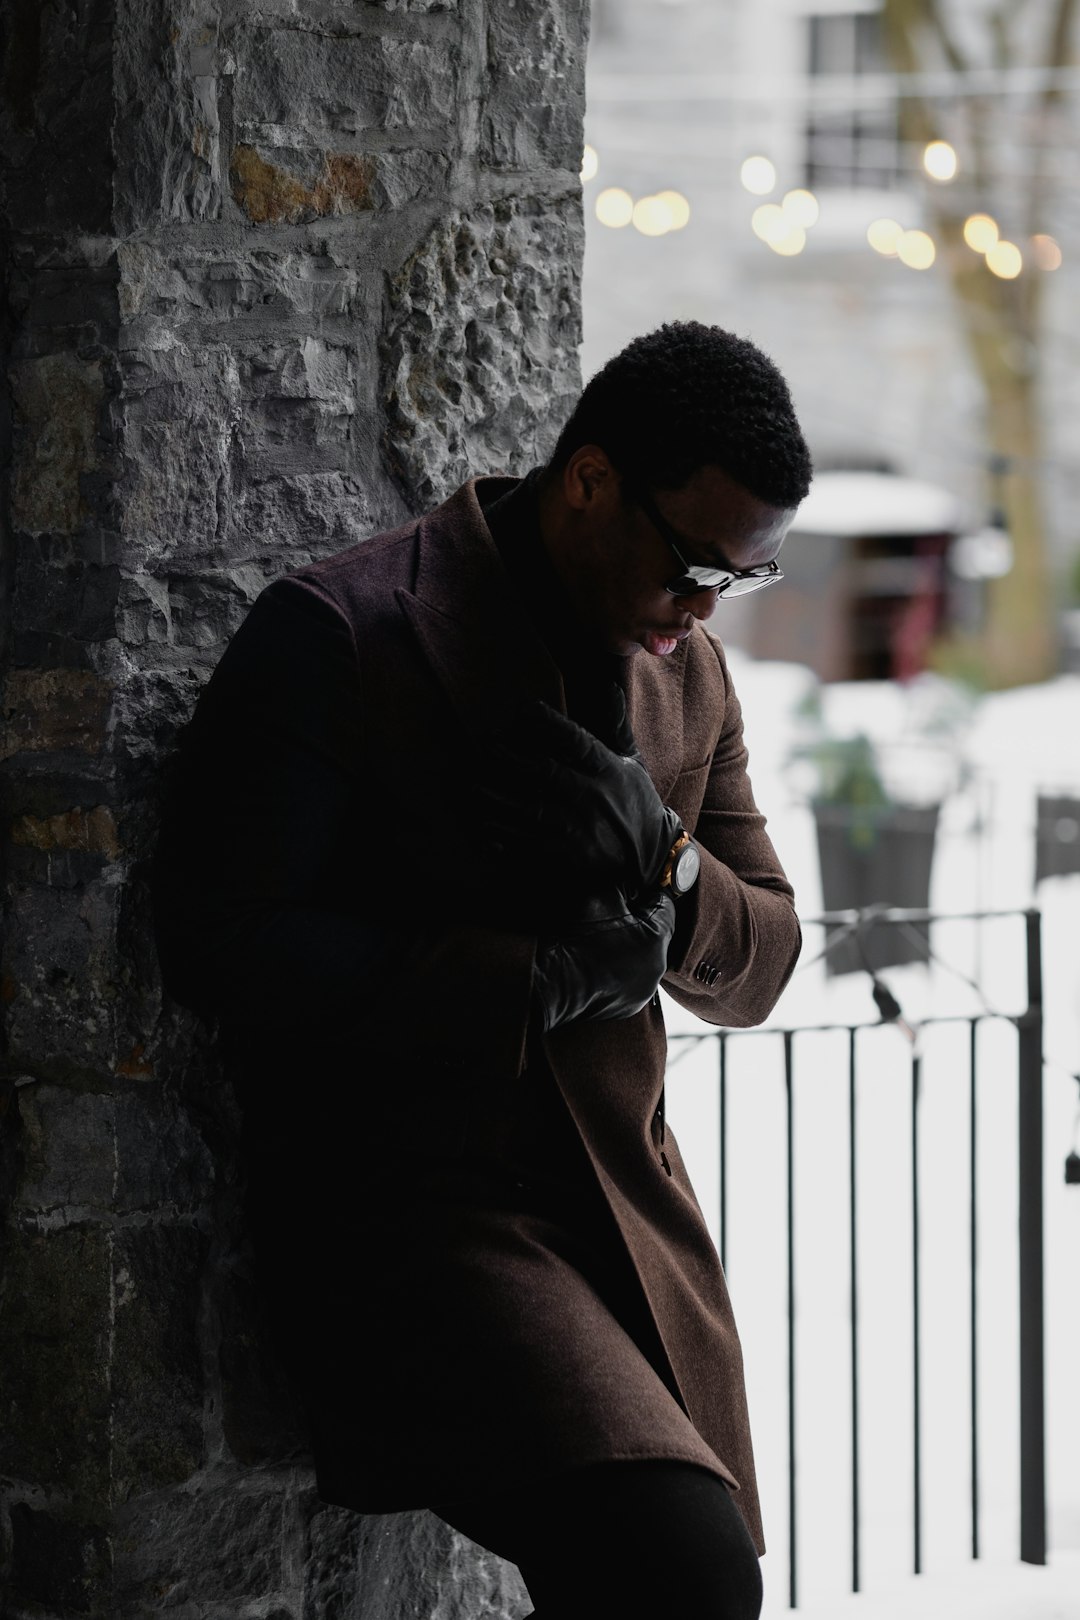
(280, 272)
(529, 40)
(466, 355)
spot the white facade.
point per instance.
(680, 92)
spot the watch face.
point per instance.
(686, 869)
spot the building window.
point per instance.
(849, 146)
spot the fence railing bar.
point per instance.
(792, 1521)
(723, 1152)
(853, 1251)
(1030, 1132)
(774, 1030)
(911, 914)
(916, 1364)
(973, 1262)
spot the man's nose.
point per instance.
(702, 603)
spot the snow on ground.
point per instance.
(1016, 743)
(988, 1590)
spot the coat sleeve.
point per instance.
(257, 921)
(737, 938)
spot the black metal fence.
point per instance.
(1029, 1025)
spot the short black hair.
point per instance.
(688, 396)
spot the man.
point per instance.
(454, 804)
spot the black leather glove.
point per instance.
(607, 966)
(556, 800)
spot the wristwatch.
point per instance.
(682, 868)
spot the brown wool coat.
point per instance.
(453, 1345)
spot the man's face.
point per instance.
(621, 562)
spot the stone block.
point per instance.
(58, 400)
(92, 829)
(157, 1398)
(479, 356)
(321, 84)
(71, 304)
(169, 64)
(306, 515)
(531, 41)
(219, 1542)
(57, 117)
(61, 971)
(55, 586)
(181, 448)
(56, 1562)
(128, 1152)
(54, 709)
(206, 609)
(261, 1418)
(55, 1352)
(274, 184)
(287, 287)
(386, 1566)
(162, 1158)
(69, 1144)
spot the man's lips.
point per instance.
(662, 642)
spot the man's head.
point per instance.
(681, 466)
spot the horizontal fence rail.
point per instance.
(1029, 1026)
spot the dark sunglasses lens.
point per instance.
(747, 583)
(687, 585)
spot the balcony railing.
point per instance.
(1029, 1065)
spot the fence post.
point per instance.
(1030, 1139)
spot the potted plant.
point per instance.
(876, 820)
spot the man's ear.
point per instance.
(587, 471)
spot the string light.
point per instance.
(884, 236)
(615, 207)
(590, 162)
(1046, 252)
(939, 160)
(1005, 260)
(758, 175)
(916, 250)
(980, 232)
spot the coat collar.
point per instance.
(467, 617)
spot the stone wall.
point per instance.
(279, 275)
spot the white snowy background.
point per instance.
(1013, 745)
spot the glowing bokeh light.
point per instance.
(1046, 252)
(980, 232)
(652, 216)
(801, 207)
(791, 243)
(939, 160)
(590, 162)
(758, 175)
(916, 250)
(615, 207)
(1005, 260)
(768, 222)
(680, 208)
(884, 236)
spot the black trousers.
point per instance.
(647, 1538)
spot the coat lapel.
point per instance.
(468, 620)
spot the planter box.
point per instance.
(879, 856)
(1057, 835)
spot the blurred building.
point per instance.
(681, 93)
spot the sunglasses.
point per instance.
(725, 581)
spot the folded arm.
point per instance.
(737, 938)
